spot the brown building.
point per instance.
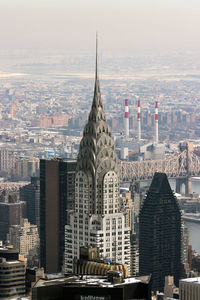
(50, 121)
(56, 198)
(10, 215)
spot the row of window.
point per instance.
(13, 267)
(11, 272)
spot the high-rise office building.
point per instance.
(56, 199)
(160, 233)
(10, 213)
(96, 219)
(30, 194)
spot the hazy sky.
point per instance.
(129, 24)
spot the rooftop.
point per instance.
(195, 280)
(86, 280)
(10, 262)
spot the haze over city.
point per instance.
(125, 27)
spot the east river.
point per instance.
(194, 228)
(194, 236)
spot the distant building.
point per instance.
(26, 168)
(56, 200)
(6, 160)
(189, 289)
(24, 237)
(160, 233)
(12, 278)
(53, 121)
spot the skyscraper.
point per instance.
(56, 197)
(30, 194)
(160, 233)
(96, 219)
(10, 213)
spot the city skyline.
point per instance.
(81, 139)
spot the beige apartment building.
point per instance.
(24, 237)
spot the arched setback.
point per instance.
(110, 193)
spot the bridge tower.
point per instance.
(187, 181)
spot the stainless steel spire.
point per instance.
(97, 149)
(97, 94)
(96, 76)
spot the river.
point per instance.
(194, 228)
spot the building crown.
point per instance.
(97, 149)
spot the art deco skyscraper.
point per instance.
(160, 233)
(96, 219)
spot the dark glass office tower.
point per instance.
(160, 233)
(30, 194)
(56, 198)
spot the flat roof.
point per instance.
(85, 280)
(10, 250)
(195, 280)
(11, 262)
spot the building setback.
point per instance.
(160, 233)
(56, 198)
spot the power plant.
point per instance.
(132, 146)
(156, 122)
(126, 119)
(139, 122)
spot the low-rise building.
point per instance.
(12, 277)
(189, 289)
(110, 287)
(24, 237)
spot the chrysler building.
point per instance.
(96, 219)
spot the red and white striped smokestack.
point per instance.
(139, 122)
(156, 122)
(126, 119)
